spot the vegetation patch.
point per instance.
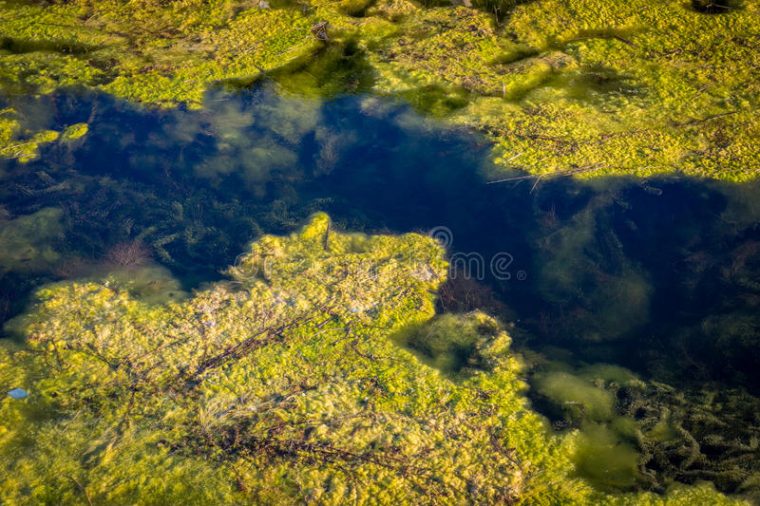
(282, 384)
(650, 434)
(587, 89)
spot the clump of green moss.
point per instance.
(456, 344)
(585, 90)
(283, 384)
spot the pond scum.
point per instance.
(318, 372)
(584, 88)
(285, 384)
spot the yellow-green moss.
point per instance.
(592, 88)
(283, 385)
(586, 88)
(74, 132)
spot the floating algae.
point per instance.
(593, 89)
(351, 404)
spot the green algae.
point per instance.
(337, 68)
(456, 344)
(606, 460)
(585, 90)
(29, 240)
(577, 395)
(579, 89)
(145, 51)
(607, 452)
(74, 132)
(22, 143)
(18, 144)
(257, 149)
(140, 51)
(584, 271)
(645, 434)
(282, 385)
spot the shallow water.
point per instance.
(660, 276)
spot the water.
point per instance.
(660, 276)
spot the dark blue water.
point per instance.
(660, 275)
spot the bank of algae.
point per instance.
(562, 90)
(284, 383)
(587, 88)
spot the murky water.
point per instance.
(659, 276)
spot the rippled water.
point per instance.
(660, 276)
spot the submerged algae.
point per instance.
(648, 434)
(23, 144)
(457, 344)
(277, 386)
(29, 241)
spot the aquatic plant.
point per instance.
(128, 254)
(691, 434)
(282, 384)
(649, 434)
(587, 276)
(584, 90)
(461, 294)
(29, 241)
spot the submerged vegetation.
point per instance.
(587, 88)
(330, 367)
(187, 187)
(283, 383)
(646, 434)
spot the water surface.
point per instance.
(659, 276)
